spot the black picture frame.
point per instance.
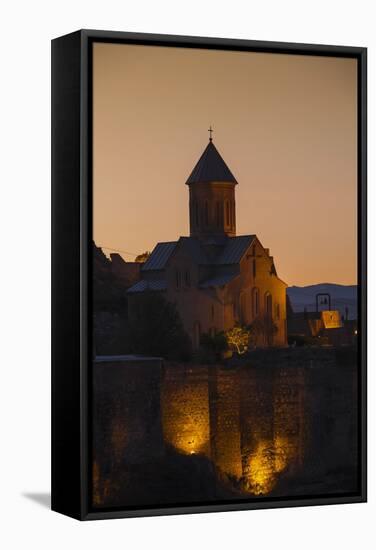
(71, 267)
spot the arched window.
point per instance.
(196, 334)
(242, 304)
(218, 213)
(206, 213)
(255, 302)
(277, 312)
(227, 213)
(268, 305)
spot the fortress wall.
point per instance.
(257, 436)
(225, 420)
(126, 404)
(283, 412)
(185, 408)
(288, 416)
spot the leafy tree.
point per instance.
(262, 329)
(155, 328)
(238, 339)
(214, 344)
(141, 258)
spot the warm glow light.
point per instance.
(269, 460)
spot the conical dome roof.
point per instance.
(211, 167)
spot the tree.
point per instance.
(238, 339)
(141, 258)
(155, 328)
(262, 330)
(214, 344)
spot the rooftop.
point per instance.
(211, 167)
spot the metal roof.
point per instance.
(143, 286)
(159, 257)
(220, 280)
(234, 249)
(211, 167)
(194, 248)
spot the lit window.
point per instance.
(218, 214)
(277, 312)
(268, 304)
(256, 300)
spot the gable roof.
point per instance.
(232, 252)
(211, 167)
(159, 257)
(234, 249)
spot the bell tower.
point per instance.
(211, 196)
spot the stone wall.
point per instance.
(274, 424)
(185, 408)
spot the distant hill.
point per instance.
(342, 296)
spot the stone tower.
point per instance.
(211, 196)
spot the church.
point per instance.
(217, 279)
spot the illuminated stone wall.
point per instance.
(127, 426)
(225, 420)
(185, 408)
(249, 421)
(268, 425)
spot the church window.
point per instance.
(255, 301)
(243, 314)
(206, 213)
(268, 304)
(197, 334)
(277, 312)
(218, 214)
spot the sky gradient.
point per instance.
(285, 125)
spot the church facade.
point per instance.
(217, 279)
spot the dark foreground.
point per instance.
(277, 423)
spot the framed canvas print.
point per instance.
(209, 274)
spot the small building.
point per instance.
(216, 278)
(325, 327)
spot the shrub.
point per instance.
(155, 328)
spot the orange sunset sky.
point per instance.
(284, 124)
